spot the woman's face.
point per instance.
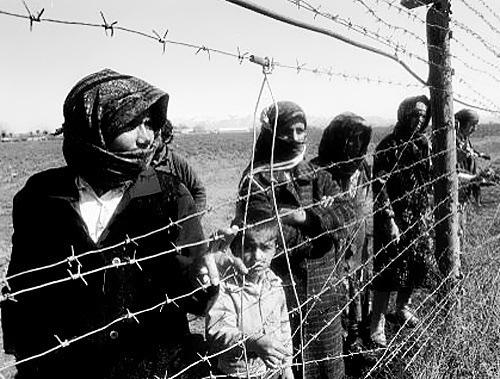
(295, 133)
(470, 127)
(417, 117)
(141, 137)
(353, 145)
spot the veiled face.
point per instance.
(353, 145)
(416, 119)
(295, 133)
(140, 137)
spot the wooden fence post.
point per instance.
(443, 142)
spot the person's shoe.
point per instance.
(406, 316)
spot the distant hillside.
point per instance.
(246, 122)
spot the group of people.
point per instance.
(109, 255)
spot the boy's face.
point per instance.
(259, 250)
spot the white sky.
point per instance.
(38, 68)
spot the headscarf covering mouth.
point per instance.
(406, 109)
(100, 107)
(282, 115)
(334, 148)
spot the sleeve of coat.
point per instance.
(286, 331)
(383, 162)
(221, 326)
(191, 180)
(191, 242)
(24, 319)
(326, 226)
(190, 229)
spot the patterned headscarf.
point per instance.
(286, 153)
(334, 147)
(100, 107)
(405, 110)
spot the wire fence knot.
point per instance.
(265, 62)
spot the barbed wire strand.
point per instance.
(239, 56)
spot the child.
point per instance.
(248, 324)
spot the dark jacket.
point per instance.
(175, 164)
(402, 189)
(49, 229)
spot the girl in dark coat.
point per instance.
(107, 194)
(402, 214)
(341, 153)
(314, 236)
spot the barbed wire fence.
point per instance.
(405, 344)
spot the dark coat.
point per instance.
(175, 164)
(48, 229)
(401, 190)
(316, 255)
(467, 163)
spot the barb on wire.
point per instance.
(481, 16)
(241, 57)
(299, 66)
(33, 18)
(107, 26)
(162, 40)
(203, 48)
(327, 32)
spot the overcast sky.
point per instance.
(38, 68)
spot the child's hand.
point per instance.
(271, 351)
(293, 216)
(221, 240)
(394, 231)
(218, 258)
(327, 201)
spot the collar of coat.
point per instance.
(146, 184)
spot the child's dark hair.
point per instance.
(260, 216)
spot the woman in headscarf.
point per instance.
(402, 215)
(341, 153)
(314, 236)
(107, 195)
(466, 121)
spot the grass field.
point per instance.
(463, 346)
